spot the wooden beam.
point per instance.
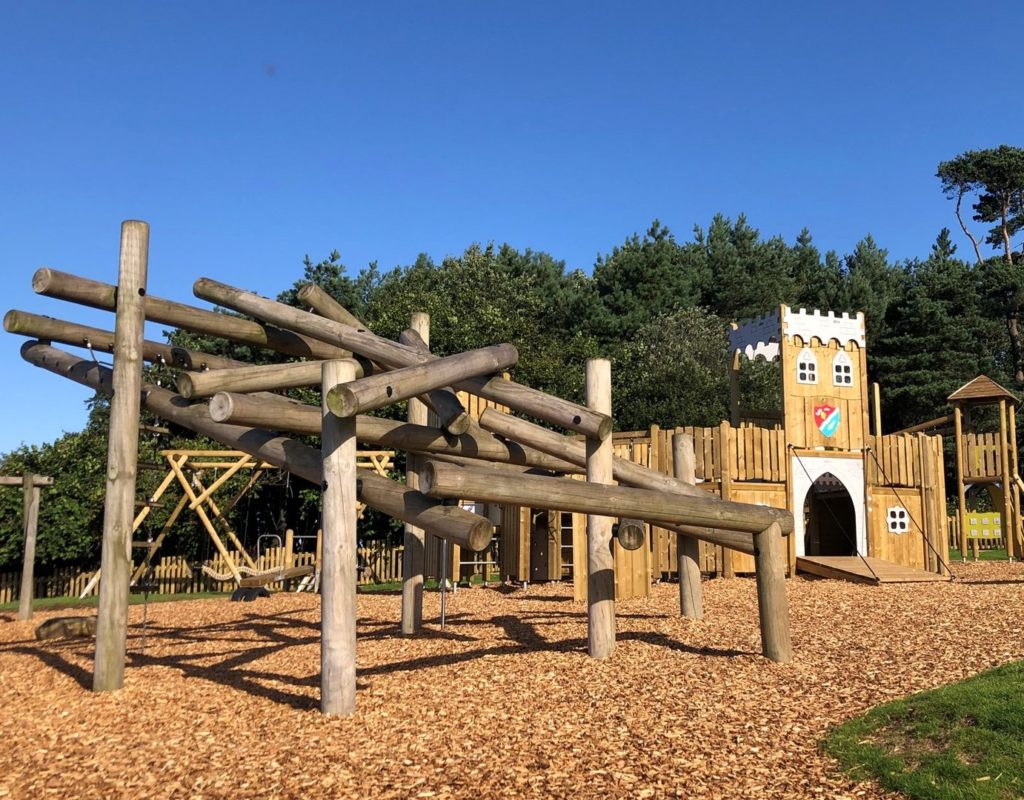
(263, 378)
(691, 593)
(283, 414)
(600, 562)
(63, 286)
(57, 330)
(30, 518)
(925, 426)
(626, 472)
(451, 482)
(393, 355)
(449, 522)
(377, 391)
(13, 480)
(338, 570)
(961, 493)
(122, 455)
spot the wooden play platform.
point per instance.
(864, 570)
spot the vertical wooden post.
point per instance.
(600, 564)
(1011, 442)
(725, 454)
(338, 575)
(877, 408)
(122, 458)
(961, 495)
(772, 604)
(30, 506)
(289, 550)
(1008, 483)
(734, 389)
(413, 540)
(691, 594)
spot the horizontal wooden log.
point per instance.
(16, 480)
(521, 398)
(377, 391)
(263, 378)
(282, 414)
(446, 481)
(57, 330)
(626, 472)
(326, 306)
(630, 533)
(95, 294)
(448, 522)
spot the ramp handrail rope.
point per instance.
(890, 485)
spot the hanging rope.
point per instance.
(835, 519)
(890, 485)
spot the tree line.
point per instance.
(657, 305)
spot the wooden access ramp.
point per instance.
(864, 570)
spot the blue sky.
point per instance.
(250, 134)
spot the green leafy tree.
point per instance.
(673, 372)
(995, 179)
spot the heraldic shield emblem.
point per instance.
(826, 417)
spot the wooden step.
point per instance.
(864, 570)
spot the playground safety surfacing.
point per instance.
(220, 698)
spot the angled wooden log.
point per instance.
(338, 566)
(378, 391)
(393, 355)
(49, 329)
(448, 522)
(263, 378)
(736, 522)
(442, 402)
(326, 306)
(691, 593)
(122, 458)
(283, 414)
(626, 472)
(61, 285)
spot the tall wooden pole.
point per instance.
(1008, 482)
(772, 604)
(413, 539)
(30, 504)
(338, 568)
(961, 494)
(691, 594)
(122, 457)
(600, 564)
(1012, 444)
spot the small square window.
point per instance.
(897, 520)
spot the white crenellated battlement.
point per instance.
(757, 337)
(843, 328)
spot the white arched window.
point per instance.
(842, 370)
(806, 367)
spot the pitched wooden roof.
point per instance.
(981, 389)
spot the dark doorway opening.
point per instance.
(830, 527)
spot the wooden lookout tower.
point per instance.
(987, 460)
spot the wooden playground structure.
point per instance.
(494, 461)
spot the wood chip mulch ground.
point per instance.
(221, 698)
